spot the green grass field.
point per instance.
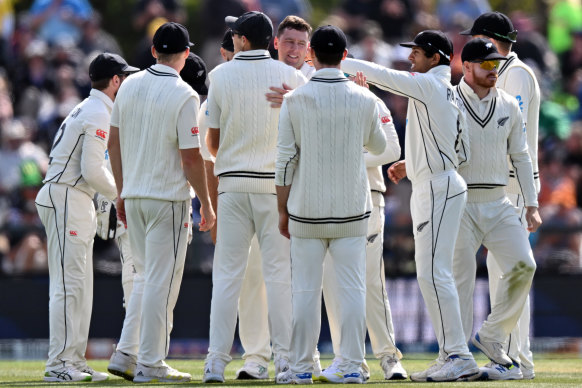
(551, 371)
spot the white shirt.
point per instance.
(157, 115)
(78, 152)
(245, 161)
(519, 80)
(433, 126)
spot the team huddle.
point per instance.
(285, 157)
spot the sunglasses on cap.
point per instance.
(488, 65)
(511, 36)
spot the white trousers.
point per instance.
(68, 216)
(253, 318)
(436, 206)
(128, 271)
(307, 257)
(495, 225)
(378, 314)
(159, 238)
(517, 345)
(240, 217)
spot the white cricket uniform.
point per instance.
(65, 206)
(434, 146)
(323, 127)
(496, 131)
(253, 325)
(378, 314)
(157, 114)
(518, 79)
(245, 165)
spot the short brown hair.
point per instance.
(295, 23)
(101, 84)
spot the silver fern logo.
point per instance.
(501, 122)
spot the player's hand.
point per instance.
(360, 79)
(106, 217)
(207, 218)
(277, 94)
(397, 171)
(532, 216)
(284, 224)
(120, 207)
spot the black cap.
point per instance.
(255, 26)
(107, 65)
(227, 41)
(328, 39)
(494, 25)
(480, 49)
(194, 74)
(432, 41)
(172, 38)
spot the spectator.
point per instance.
(147, 10)
(53, 19)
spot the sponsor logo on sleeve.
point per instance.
(73, 233)
(195, 131)
(101, 133)
(384, 119)
(520, 100)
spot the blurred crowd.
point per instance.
(46, 49)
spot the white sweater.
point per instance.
(322, 129)
(433, 129)
(496, 131)
(148, 111)
(247, 148)
(519, 80)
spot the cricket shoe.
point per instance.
(213, 370)
(432, 368)
(393, 369)
(162, 374)
(365, 370)
(95, 375)
(493, 350)
(281, 365)
(528, 374)
(456, 368)
(495, 371)
(66, 374)
(316, 366)
(252, 371)
(289, 377)
(354, 378)
(122, 364)
(333, 374)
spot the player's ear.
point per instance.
(154, 53)
(345, 54)
(276, 43)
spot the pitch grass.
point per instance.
(551, 371)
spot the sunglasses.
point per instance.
(488, 65)
(511, 36)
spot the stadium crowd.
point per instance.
(45, 52)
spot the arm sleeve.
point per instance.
(202, 119)
(520, 86)
(403, 83)
(520, 159)
(213, 107)
(115, 114)
(462, 145)
(287, 151)
(375, 141)
(93, 167)
(392, 151)
(187, 126)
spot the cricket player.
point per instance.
(156, 113)
(434, 148)
(324, 202)
(65, 206)
(121, 363)
(519, 80)
(242, 134)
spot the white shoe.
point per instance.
(354, 378)
(252, 371)
(528, 374)
(432, 368)
(365, 370)
(333, 374)
(393, 369)
(281, 365)
(213, 370)
(493, 350)
(66, 374)
(95, 375)
(122, 365)
(289, 377)
(162, 374)
(456, 368)
(495, 371)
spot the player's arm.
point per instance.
(287, 158)
(374, 137)
(114, 150)
(213, 116)
(93, 166)
(403, 83)
(277, 93)
(392, 150)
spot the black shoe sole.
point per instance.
(120, 374)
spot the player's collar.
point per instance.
(252, 55)
(329, 75)
(158, 67)
(468, 91)
(103, 97)
(441, 71)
